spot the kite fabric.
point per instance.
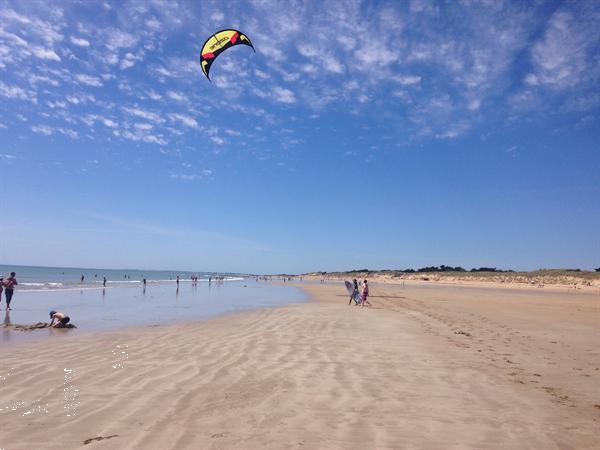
(217, 44)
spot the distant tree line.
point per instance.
(441, 268)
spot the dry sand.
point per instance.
(426, 368)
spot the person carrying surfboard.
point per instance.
(355, 294)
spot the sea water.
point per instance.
(49, 278)
(93, 307)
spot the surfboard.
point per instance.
(349, 287)
(354, 294)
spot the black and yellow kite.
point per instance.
(217, 44)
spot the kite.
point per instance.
(217, 44)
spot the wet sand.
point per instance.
(436, 367)
(119, 307)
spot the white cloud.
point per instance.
(205, 173)
(371, 55)
(43, 53)
(42, 129)
(109, 123)
(12, 38)
(130, 60)
(217, 16)
(217, 140)
(148, 115)
(127, 63)
(90, 119)
(57, 104)
(34, 79)
(88, 80)
(283, 95)
(164, 72)
(117, 39)
(153, 23)
(177, 96)
(454, 130)
(333, 65)
(184, 176)
(68, 132)
(186, 120)
(407, 80)
(154, 95)
(140, 135)
(560, 58)
(10, 14)
(80, 42)
(14, 92)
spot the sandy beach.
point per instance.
(436, 367)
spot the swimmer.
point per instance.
(59, 319)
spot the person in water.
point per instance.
(9, 288)
(365, 295)
(59, 319)
(355, 294)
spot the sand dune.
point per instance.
(426, 368)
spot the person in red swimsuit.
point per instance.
(365, 295)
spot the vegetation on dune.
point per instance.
(549, 276)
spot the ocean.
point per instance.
(49, 278)
(126, 302)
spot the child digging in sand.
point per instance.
(59, 319)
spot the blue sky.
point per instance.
(359, 135)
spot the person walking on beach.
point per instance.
(9, 288)
(1, 288)
(355, 294)
(365, 295)
(178, 281)
(104, 282)
(82, 278)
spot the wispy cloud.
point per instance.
(428, 70)
(88, 80)
(144, 114)
(80, 42)
(562, 57)
(283, 95)
(184, 119)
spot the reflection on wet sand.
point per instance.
(127, 306)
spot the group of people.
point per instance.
(360, 298)
(8, 286)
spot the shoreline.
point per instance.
(425, 368)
